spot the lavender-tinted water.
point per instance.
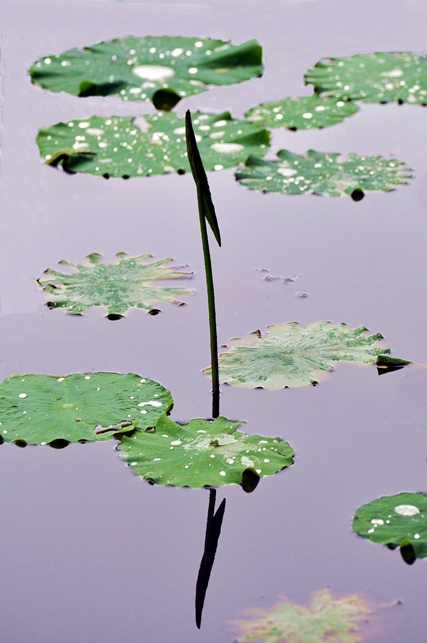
(89, 553)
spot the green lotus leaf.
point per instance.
(327, 619)
(397, 521)
(128, 283)
(324, 174)
(374, 78)
(202, 453)
(122, 146)
(160, 69)
(290, 355)
(44, 409)
(304, 112)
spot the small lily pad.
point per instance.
(304, 112)
(202, 453)
(128, 283)
(122, 146)
(324, 174)
(396, 521)
(290, 355)
(327, 619)
(160, 69)
(374, 78)
(44, 409)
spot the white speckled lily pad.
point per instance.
(374, 78)
(304, 112)
(162, 69)
(324, 174)
(202, 453)
(121, 146)
(41, 409)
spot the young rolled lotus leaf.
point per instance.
(374, 78)
(45, 409)
(304, 112)
(324, 174)
(396, 521)
(289, 355)
(128, 283)
(202, 453)
(122, 146)
(326, 619)
(161, 69)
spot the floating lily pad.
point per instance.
(327, 619)
(396, 521)
(202, 453)
(41, 409)
(375, 78)
(122, 146)
(161, 69)
(128, 283)
(290, 355)
(304, 112)
(324, 174)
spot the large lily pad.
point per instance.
(325, 174)
(162, 69)
(41, 409)
(304, 112)
(290, 355)
(397, 521)
(115, 286)
(327, 619)
(202, 453)
(375, 78)
(121, 146)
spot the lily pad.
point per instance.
(324, 174)
(374, 78)
(304, 112)
(43, 409)
(396, 521)
(122, 146)
(202, 453)
(162, 69)
(327, 619)
(128, 283)
(290, 355)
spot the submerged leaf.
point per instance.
(327, 620)
(290, 355)
(397, 521)
(122, 146)
(202, 453)
(115, 286)
(304, 112)
(325, 174)
(41, 409)
(374, 78)
(162, 69)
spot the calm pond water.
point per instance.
(88, 553)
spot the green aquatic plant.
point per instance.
(127, 283)
(374, 78)
(47, 409)
(290, 355)
(326, 620)
(303, 112)
(122, 146)
(324, 174)
(161, 69)
(203, 453)
(396, 521)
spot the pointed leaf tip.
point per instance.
(200, 179)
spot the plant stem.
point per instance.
(211, 310)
